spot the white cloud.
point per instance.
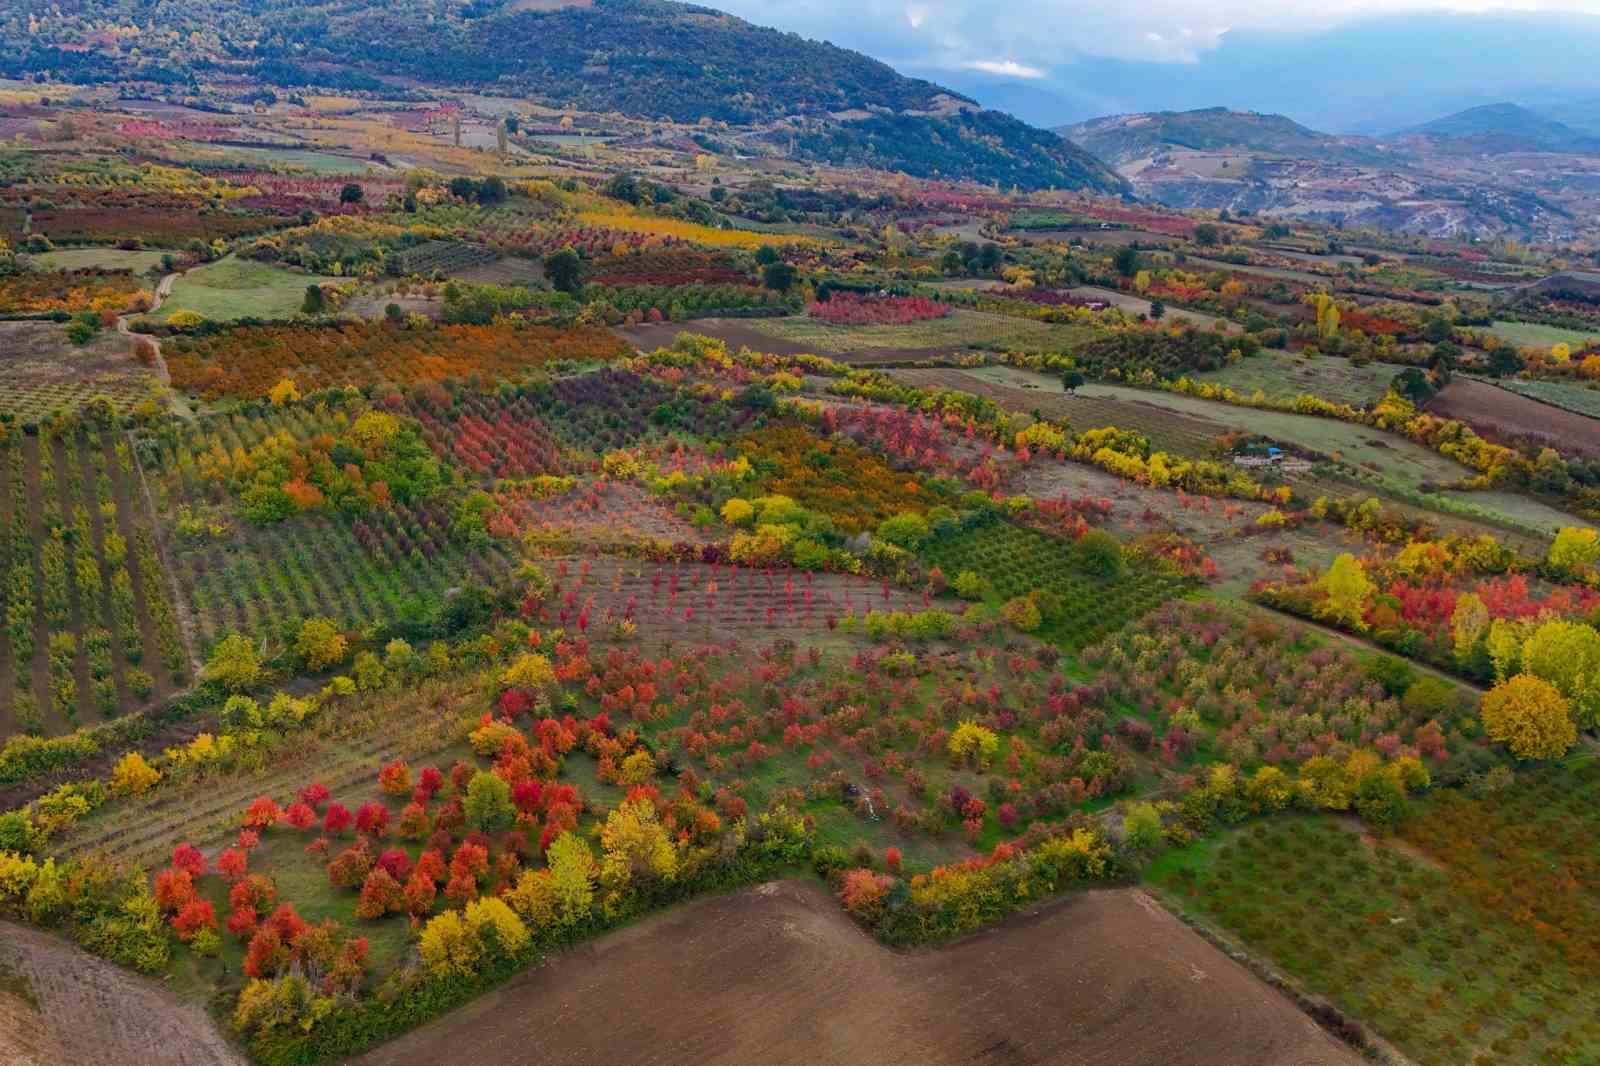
(1006, 68)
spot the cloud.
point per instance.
(1044, 35)
(1006, 68)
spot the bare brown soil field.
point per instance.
(1501, 412)
(61, 1006)
(778, 974)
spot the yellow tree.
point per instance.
(1575, 548)
(1468, 623)
(572, 870)
(1567, 655)
(1530, 717)
(1347, 589)
(636, 846)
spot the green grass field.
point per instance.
(1534, 335)
(237, 288)
(98, 259)
(1382, 453)
(962, 329)
(1284, 375)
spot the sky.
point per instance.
(1068, 58)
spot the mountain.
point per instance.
(646, 58)
(1121, 139)
(1505, 127)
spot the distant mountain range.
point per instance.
(643, 58)
(1122, 139)
(1506, 128)
(1465, 175)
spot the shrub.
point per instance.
(972, 743)
(320, 644)
(133, 775)
(234, 664)
(1097, 552)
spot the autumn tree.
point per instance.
(1575, 549)
(234, 665)
(1567, 655)
(635, 847)
(572, 875)
(1347, 589)
(133, 775)
(320, 644)
(1530, 717)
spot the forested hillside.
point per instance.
(645, 58)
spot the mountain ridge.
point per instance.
(653, 59)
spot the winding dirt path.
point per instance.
(180, 406)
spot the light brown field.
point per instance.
(780, 976)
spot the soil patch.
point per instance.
(1501, 413)
(76, 1010)
(780, 975)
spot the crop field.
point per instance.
(43, 293)
(1569, 396)
(644, 576)
(239, 577)
(249, 362)
(1279, 374)
(90, 628)
(1022, 390)
(1458, 938)
(1493, 412)
(1537, 335)
(137, 262)
(236, 288)
(961, 329)
(1012, 561)
(43, 373)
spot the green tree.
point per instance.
(565, 270)
(766, 255)
(779, 277)
(315, 303)
(1126, 261)
(488, 804)
(1207, 235)
(1505, 362)
(352, 193)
